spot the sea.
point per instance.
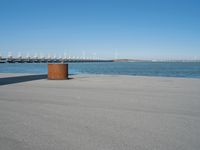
(161, 69)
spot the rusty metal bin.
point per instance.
(57, 71)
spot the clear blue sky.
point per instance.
(132, 28)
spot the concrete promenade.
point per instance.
(99, 113)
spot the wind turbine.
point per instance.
(10, 55)
(116, 55)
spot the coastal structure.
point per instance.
(36, 59)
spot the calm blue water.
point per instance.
(166, 69)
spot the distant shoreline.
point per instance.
(137, 60)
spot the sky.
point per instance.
(138, 29)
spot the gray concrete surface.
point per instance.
(101, 113)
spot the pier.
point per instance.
(50, 60)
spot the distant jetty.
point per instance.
(49, 60)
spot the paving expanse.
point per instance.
(99, 113)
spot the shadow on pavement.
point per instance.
(18, 79)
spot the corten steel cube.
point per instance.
(57, 71)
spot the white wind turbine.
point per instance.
(10, 55)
